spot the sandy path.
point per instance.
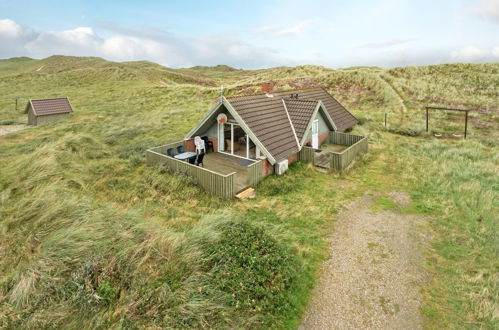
(371, 279)
(6, 129)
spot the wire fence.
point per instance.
(440, 123)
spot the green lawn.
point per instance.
(92, 235)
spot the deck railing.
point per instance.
(306, 155)
(344, 139)
(338, 161)
(215, 183)
(255, 173)
(356, 145)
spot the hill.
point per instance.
(91, 235)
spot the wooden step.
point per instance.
(322, 160)
(245, 194)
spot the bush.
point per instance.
(407, 131)
(252, 268)
(8, 122)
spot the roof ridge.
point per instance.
(276, 92)
(51, 98)
(291, 122)
(305, 100)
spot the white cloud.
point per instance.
(128, 44)
(69, 42)
(488, 9)
(267, 28)
(299, 29)
(475, 54)
(386, 43)
(10, 29)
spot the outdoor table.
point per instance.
(185, 155)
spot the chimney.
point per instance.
(268, 88)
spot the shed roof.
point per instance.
(43, 107)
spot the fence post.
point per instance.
(385, 119)
(427, 119)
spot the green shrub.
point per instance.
(8, 122)
(407, 131)
(252, 268)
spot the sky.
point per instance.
(255, 34)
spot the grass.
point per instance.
(94, 236)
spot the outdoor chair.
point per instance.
(208, 144)
(199, 159)
(180, 149)
(200, 146)
(192, 160)
(170, 152)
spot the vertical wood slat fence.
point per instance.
(306, 155)
(357, 145)
(338, 161)
(255, 173)
(344, 139)
(217, 184)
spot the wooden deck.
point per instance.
(226, 164)
(333, 147)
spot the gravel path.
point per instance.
(6, 129)
(371, 279)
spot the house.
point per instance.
(44, 111)
(257, 135)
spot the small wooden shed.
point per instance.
(44, 111)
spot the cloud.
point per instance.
(475, 54)
(13, 38)
(487, 9)
(386, 43)
(140, 43)
(264, 29)
(280, 31)
(76, 41)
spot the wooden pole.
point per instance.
(427, 119)
(465, 123)
(16, 103)
(385, 119)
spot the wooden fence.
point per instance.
(215, 183)
(338, 161)
(344, 139)
(357, 145)
(306, 155)
(255, 173)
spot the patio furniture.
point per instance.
(192, 160)
(199, 159)
(200, 146)
(185, 155)
(180, 149)
(170, 152)
(208, 144)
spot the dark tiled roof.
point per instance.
(341, 117)
(301, 112)
(44, 107)
(267, 119)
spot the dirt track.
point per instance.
(371, 279)
(6, 129)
